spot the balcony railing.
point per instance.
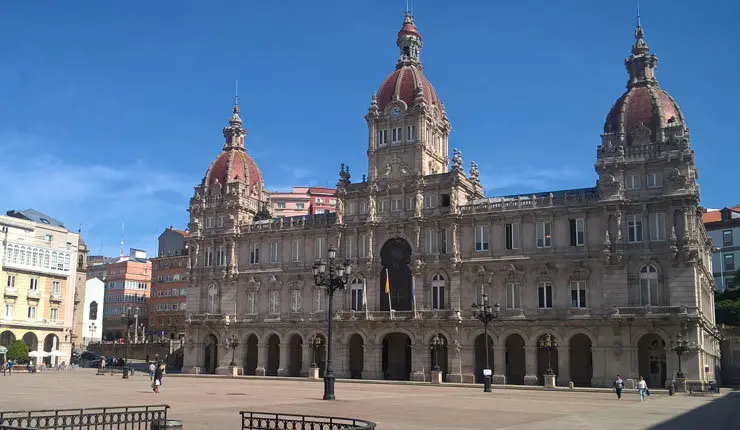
(540, 200)
(33, 294)
(128, 417)
(11, 292)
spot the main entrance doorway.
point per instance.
(397, 357)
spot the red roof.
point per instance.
(234, 165)
(404, 82)
(647, 105)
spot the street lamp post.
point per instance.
(233, 343)
(314, 342)
(91, 328)
(129, 318)
(485, 314)
(548, 342)
(332, 280)
(681, 345)
(436, 344)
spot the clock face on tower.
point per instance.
(395, 111)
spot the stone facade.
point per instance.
(613, 272)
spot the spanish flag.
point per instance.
(388, 290)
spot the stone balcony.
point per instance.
(11, 292)
(33, 294)
(560, 198)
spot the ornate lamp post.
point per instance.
(436, 344)
(129, 318)
(485, 314)
(314, 342)
(681, 345)
(548, 343)
(233, 343)
(334, 279)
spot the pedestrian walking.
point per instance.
(158, 378)
(152, 368)
(619, 386)
(643, 389)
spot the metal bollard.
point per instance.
(671, 389)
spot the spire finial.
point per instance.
(638, 13)
(641, 64)
(236, 94)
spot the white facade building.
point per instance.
(92, 318)
(723, 227)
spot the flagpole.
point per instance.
(388, 290)
(413, 293)
(364, 296)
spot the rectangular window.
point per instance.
(295, 251)
(183, 291)
(300, 205)
(578, 294)
(274, 302)
(53, 314)
(318, 300)
(352, 208)
(648, 291)
(726, 238)
(512, 235)
(544, 234)
(430, 241)
(513, 295)
(657, 226)
(208, 257)
(274, 252)
(655, 179)
(430, 201)
(280, 205)
(251, 303)
(544, 295)
(396, 205)
(481, 238)
(382, 137)
(209, 222)
(8, 312)
(634, 228)
(633, 182)
(362, 246)
(729, 262)
(364, 207)
(438, 296)
(11, 281)
(56, 288)
(34, 285)
(577, 232)
(254, 254)
(295, 301)
(396, 134)
(32, 313)
(220, 258)
(319, 247)
(356, 297)
(411, 133)
(220, 221)
(443, 240)
(175, 291)
(349, 247)
(383, 206)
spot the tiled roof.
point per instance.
(36, 216)
(716, 215)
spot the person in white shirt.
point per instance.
(152, 367)
(643, 388)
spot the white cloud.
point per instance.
(99, 196)
(527, 178)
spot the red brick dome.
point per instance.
(404, 83)
(643, 107)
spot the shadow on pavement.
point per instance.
(723, 413)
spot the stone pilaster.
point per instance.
(499, 364)
(284, 359)
(261, 359)
(420, 359)
(530, 365)
(563, 376)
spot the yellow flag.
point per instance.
(387, 283)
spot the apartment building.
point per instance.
(167, 304)
(723, 227)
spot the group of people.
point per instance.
(156, 372)
(641, 387)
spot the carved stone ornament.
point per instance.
(457, 160)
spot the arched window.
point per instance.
(438, 291)
(649, 286)
(212, 293)
(357, 294)
(93, 310)
(53, 260)
(47, 256)
(23, 255)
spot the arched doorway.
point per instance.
(210, 354)
(515, 360)
(651, 358)
(581, 361)
(395, 257)
(546, 359)
(439, 357)
(397, 357)
(273, 355)
(250, 366)
(31, 341)
(480, 356)
(356, 356)
(296, 355)
(6, 338)
(51, 344)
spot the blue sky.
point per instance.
(111, 112)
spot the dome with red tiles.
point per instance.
(234, 164)
(404, 84)
(645, 109)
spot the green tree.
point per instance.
(18, 352)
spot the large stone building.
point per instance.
(38, 257)
(614, 272)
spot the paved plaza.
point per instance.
(214, 403)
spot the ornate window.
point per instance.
(295, 301)
(275, 302)
(251, 303)
(438, 291)
(578, 294)
(649, 285)
(212, 294)
(544, 295)
(357, 294)
(513, 295)
(318, 300)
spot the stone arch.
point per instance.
(356, 345)
(501, 340)
(396, 355)
(395, 260)
(581, 359)
(273, 354)
(51, 343)
(6, 338)
(441, 331)
(251, 356)
(290, 333)
(347, 336)
(640, 333)
(440, 357)
(31, 341)
(245, 335)
(652, 359)
(537, 335)
(515, 343)
(570, 334)
(385, 332)
(210, 353)
(479, 355)
(295, 359)
(547, 358)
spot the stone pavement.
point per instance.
(214, 403)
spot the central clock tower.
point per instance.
(407, 124)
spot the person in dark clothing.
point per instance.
(619, 386)
(158, 378)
